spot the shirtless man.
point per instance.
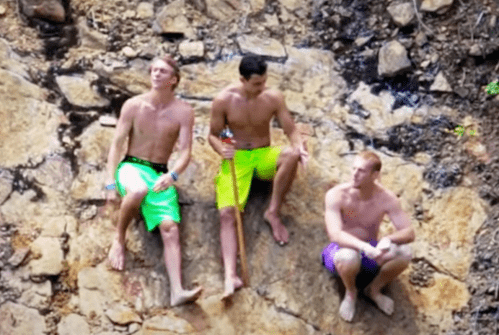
(247, 108)
(354, 212)
(152, 122)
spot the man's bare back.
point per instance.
(249, 119)
(155, 129)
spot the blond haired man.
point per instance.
(151, 124)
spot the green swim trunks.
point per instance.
(156, 207)
(261, 161)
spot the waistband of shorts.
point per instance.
(253, 149)
(158, 167)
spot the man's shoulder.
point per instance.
(136, 101)
(182, 105)
(337, 192)
(384, 192)
(228, 93)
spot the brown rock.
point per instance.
(224, 10)
(50, 264)
(44, 9)
(171, 19)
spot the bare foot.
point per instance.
(185, 296)
(347, 307)
(117, 255)
(231, 286)
(278, 230)
(383, 302)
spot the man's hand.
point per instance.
(228, 149)
(163, 183)
(372, 252)
(384, 244)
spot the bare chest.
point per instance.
(156, 124)
(253, 113)
(363, 214)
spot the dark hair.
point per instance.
(252, 64)
(170, 61)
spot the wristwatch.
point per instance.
(174, 175)
(111, 187)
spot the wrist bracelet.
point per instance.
(174, 175)
(111, 187)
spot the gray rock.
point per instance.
(145, 10)
(18, 257)
(79, 91)
(91, 38)
(392, 59)
(37, 295)
(435, 5)
(191, 49)
(402, 14)
(73, 324)
(265, 47)
(20, 320)
(440, 84)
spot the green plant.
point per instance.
(493, 88)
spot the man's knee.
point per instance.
(404, 252)
(136, 195)
(168, 227)
(346, 257)
(291, 155)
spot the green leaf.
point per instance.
(493, 88)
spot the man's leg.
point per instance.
(347, 264)
(128, 210)
(170, 235)
(392, 264)
(228, 243)
(286, 171)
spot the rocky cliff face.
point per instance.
(394, 77)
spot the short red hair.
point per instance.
(373, 158)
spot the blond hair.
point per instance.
(168, 59)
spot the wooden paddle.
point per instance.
(226, 136)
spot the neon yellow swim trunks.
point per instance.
(261, 161)
(156, 207)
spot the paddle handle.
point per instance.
(239, 227)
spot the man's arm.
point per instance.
(217, 124)
(405, 232)
(288, 126)
(334, 226)
(185, 149)
(123, 129)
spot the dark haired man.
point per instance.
(247, 108)
(150, 124)
(354, 212)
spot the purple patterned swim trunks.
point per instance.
(367, 264)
